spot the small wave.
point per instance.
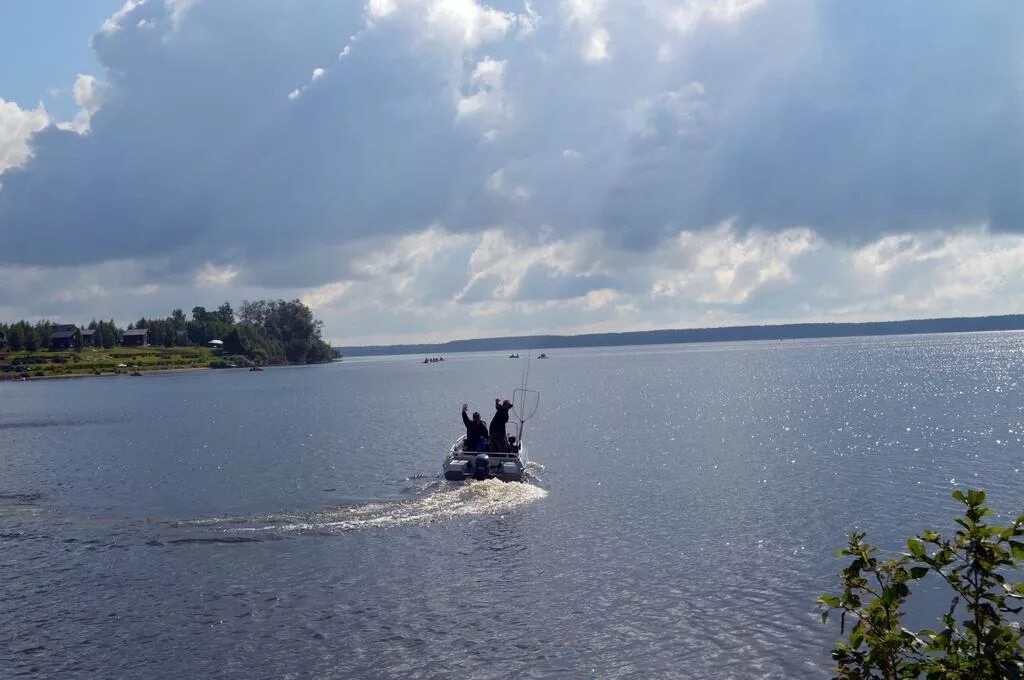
(17, 425)
(442, 501)
(208, 539)
(31, 497)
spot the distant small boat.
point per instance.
(513, 356)
(542, 356)
(256, 368)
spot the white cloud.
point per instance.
(17, 126)
(378, 9)
(499, 185)
(89, 94)
(459, 24)
(325, 294)
(602, 297)
(178, 9)
(596, 46)
(116, 21)
(528, 21)
(316, 75)
(468, 21)
(588, 17)
(935, 271)
(213, 275)
(585, 11)
(488, 97)
(407, 254)
(686, 16)
(723, 267)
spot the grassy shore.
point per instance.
(99, 361)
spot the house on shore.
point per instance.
(137, 337)
(65, 336)
(88, 337)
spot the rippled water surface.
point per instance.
(686, 505)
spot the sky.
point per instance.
(426, 170)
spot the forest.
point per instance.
(263, 331)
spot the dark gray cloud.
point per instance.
(855, 120)
(621, 123)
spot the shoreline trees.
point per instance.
(265, 331)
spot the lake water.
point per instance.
(685, 512)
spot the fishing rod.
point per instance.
(523, 411)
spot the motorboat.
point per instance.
(508, 466)
(542, 356)
(513, 356)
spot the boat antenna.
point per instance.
(526, 370)
(524, 412)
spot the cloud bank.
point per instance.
(439, 168)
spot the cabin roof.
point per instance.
(62, 335)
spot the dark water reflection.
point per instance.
(290, 523)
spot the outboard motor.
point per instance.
(481, 466)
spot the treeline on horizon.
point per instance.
(265, 331)
(795, 331)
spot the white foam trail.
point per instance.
(486, 497)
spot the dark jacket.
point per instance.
(500, 419)
(476, 434)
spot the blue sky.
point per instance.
(435, 169)
(44, 45)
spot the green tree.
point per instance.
(225, 314)
(977, 638)
(16, 337)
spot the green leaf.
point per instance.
(1018, 550)
(918, 572)
(856, 635)
(959, 495)
(975, 497)
(916, 547)
(830, 600)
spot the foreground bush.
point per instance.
(980, 632)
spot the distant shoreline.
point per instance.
(44, 364)
(122, 374)
(796, 331)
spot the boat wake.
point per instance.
(441, 501)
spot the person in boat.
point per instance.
(476, 431)
(499, 440)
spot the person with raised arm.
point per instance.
(499, 440)
(476, 431)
